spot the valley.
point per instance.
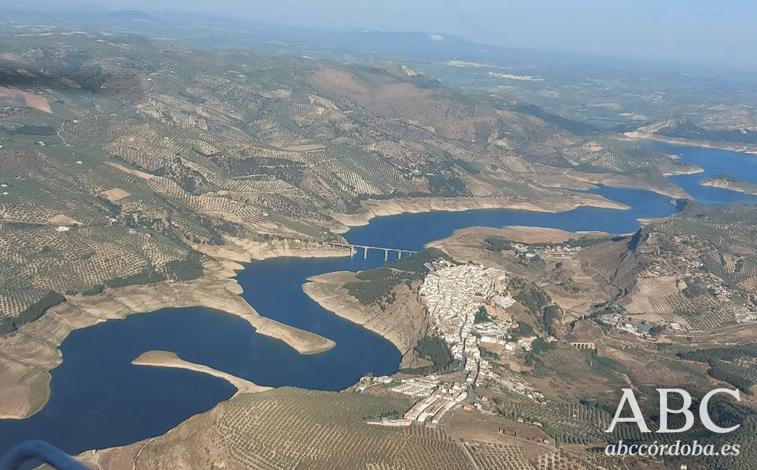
(295, 256)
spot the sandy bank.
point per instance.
(170, 359)
(379, 208)
(682, 172)
(402, 323)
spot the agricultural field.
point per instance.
(122, 158)
(693, 271)
(667, 306)
(735, 365)
(291, 428)
(126, 161)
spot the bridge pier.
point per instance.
(355, 249)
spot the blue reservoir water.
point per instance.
(100, 400)
(740, 166)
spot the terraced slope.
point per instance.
(696, 269)
(122, 160)
(291, 428)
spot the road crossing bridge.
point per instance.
(355, 249)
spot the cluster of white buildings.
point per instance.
(367, 381)
(418, 387)
(437, 398)
(434, 407)
(453, 294)
(638, 329)
(493, 332)
(503, 301)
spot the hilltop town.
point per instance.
(542, 327)
(142, 174)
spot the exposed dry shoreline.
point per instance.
(380, 208)
(731, 185)
(402, 324)
(243, 251)
(172, 360)
(620, 181)
(28, 355)
(673, 192)
(692, 171)
(750, 149)
(518, 234)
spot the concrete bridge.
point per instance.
(354, 249)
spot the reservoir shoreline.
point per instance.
(172, 360)
(373, 208)
(217, 289)
(97, 384)
(398, 324)
(738, 148)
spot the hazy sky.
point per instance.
(718, 32)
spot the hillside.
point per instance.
(563, 321)
(292, 423)
(283, 428)
(695, 269)
(128, 161)
(683, 130)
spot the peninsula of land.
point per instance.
(404, 320)
(402, 323)
(731, 184)
(172, 360)
(733, 147)
(28, 354)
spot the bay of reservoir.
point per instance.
(99, 399)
